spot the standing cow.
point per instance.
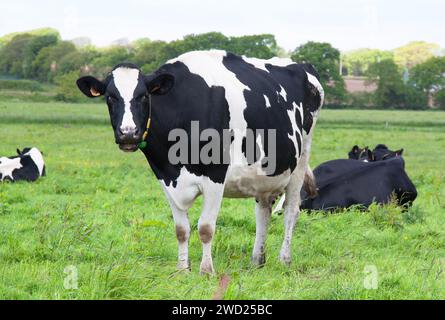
(223, 92)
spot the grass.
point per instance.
(103, 213)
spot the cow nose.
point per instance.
(129, 134)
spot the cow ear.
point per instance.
(355, 149)
(91, 87)
(159, 84)
(18, 151)
(371, 156)
(399, 152)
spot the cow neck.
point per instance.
(143, 143)
(156, 145)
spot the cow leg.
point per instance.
(213, 194)
(182, 226)
(293, 199)
(262, 212)
(291, 213)
(180, 207)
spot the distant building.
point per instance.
(359, 84)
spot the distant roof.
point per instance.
(356, 84)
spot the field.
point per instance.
(101, 213)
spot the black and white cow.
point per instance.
(346, 182)
(28, 165)
(221, 91)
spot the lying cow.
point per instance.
(344, 182)
(28, 165)
(226, 93)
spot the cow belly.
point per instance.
(247, 181)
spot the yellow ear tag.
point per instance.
(94, 92)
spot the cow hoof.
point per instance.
(183, 266)
(206, 269)
(285, 259)
(258, 260)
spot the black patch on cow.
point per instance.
(261, 83)
(191, 99)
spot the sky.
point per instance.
(346, 24)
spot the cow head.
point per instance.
(127, 92)
(382, 152)
(358, 153)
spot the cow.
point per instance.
(380, 152)
(358, 153)
(226, 93)
(27, 165)
(343, 183)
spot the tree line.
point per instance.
(408, 77)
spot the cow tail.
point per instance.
(309, 184)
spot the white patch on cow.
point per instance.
(267, 101)
(186, 190)
(126, 80)
(295, 130)
(7, 167)
(283, 93)
(314, 81)
(209, 65)
(245, 182)
(261, 63)
(37, 158)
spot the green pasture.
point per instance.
(101, 214)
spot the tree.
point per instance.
(358, 61)
(12, 55)
(79, 60)
(439, 99)
(263, 46)
(150, 55)
(110, 57)
(391, 90)
(33, 48)
(429, 76)
(389, 82)
(414, 53)
(325, 59)
(47, 62)
(204, 41)
(66, 89)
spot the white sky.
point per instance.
(347, 24)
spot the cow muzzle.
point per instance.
(129, 140)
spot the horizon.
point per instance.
(347, 25)
(121, 41)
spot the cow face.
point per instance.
(382, 152)
(127, 92)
